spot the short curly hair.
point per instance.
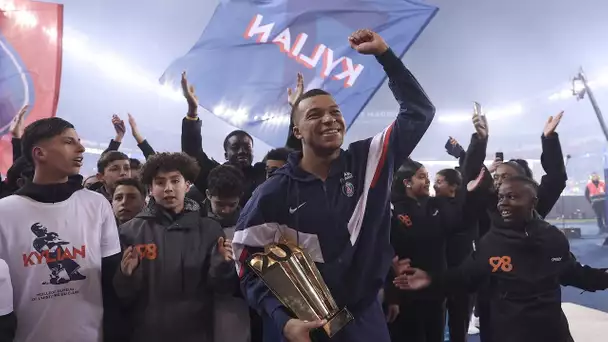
(168, 162)
(226, 181)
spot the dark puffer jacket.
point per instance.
(171, 293)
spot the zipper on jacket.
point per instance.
(327, 200)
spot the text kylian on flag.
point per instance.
(251, 51)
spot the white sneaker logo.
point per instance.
(436, 212)
(293, 210)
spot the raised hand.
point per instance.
(134, 130)
(130, 261)
(132, 122)
(293, 96)
(299, 331)
(415, 279)
(472, 185)
(367, 42)
(224, 247)
(495, 164)
(454, 142)
(453, 148)
(119, 127)
(552, 124)
(16, 127)
(189, 94)
(480, 122)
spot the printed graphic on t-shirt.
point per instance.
(56, 254)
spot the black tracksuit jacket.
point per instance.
(519, 272)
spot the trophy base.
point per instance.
(337, 322)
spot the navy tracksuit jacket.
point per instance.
(344, 222)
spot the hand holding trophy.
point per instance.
(291, 274)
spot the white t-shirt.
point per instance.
(6, 290)
(54, 253)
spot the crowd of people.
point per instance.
(157, 251)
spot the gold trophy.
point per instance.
(293, 277)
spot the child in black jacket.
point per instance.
(519, 268)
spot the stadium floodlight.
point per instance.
(580, 88)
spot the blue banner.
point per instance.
(251, 51)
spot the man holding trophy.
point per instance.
(313, 241)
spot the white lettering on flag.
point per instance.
(330, 65)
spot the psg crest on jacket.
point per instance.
(348, 189)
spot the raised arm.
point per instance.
(553, 183)
(292, 96)
(476, 152)
(121, 129)
(142, 143)
(416, 111)
(16, 130)
(192, 140)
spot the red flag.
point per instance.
(30, 64)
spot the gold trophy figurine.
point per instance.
(293, 277)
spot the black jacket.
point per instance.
(192, 145)
(519, 273)
(435, 233)
(419, 231)
(171, 292)
(144, 146)
(551, 186)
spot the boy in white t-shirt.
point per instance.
(8, 321)
(59, 240)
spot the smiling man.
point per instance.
(517, 269)
(335, 203)
(238, 150)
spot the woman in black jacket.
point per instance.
(420, 228)
(463, 217)
(519, 268)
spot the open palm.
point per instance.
(294, 95)
(552, 124)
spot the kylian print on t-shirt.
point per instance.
(57, 254)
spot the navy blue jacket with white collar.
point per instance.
(344, 222)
